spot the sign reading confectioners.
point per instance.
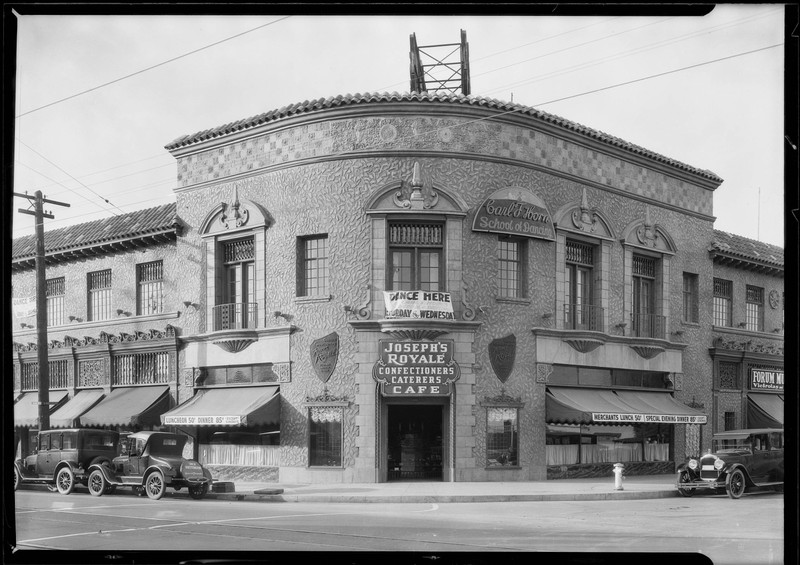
(416, 368)
(514, 211)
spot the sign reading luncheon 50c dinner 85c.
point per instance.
(514, 211)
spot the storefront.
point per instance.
(129, 409)
(26, 418)
(765, 398)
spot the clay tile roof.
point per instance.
(433, 98)
(728, 247)
(157, 221)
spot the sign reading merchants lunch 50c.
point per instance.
(416, 368)
(611, 418)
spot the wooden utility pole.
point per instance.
(39, 214)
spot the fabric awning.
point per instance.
(235, 406)
(26, 408)
(129, 406)
(764, 410)
(83, 400)
(604, 406)
(660, 407)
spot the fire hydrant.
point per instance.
(618, 469)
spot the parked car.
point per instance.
(62, 458)
(150, 462)
(739, 459)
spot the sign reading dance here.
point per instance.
(418, 305)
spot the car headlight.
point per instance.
(693, 464)
(719, 464)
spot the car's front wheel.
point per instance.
(154, 485)
(17, 478)
(685, 478)
(199, 491)
(97, 483)
(736, 484)
(65, 480)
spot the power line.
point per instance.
(151, 67)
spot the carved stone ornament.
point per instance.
(324, 355)
(646, 233)
(543, 372)
(586, 219)
(234, 216)
(502, 352)
(774, 299)
(419, 197)
(647, 351)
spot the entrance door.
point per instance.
(415, 442)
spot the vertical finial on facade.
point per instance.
(584, 200)
(416, 184)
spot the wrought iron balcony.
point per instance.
(583, 317)
(648, 325)
(236, 316)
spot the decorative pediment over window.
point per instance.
(582, 217)
(417, 195)
(235, 214)
(649, 235)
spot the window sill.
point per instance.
(502, 467)
(312, 299)
(506, 300)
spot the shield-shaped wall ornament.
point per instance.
(502, 352)
(324, 355)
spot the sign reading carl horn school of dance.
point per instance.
(514, 211)
(416, 368)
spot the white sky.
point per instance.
(103, 151)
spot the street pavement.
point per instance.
(634, 487)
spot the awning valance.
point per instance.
(235, 406)
(764, 410)
(129, 406)
(604, 406)
(26, 408)
(83, 400)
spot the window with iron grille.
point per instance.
(730, 421)
(58, 371)
(236, 307)
(646, 321)
(151, 367)
(579, 310)
(150, 288)
(728, 375)
(502, 436)
(325, 436)
(723, 302)
(511, 265)
(755, 308)
(691, 310)
(416, 256)
(313, 275)
(99, 287)
(55, 290)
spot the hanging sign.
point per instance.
(324, 355)
(766, 379)
(514, 211)
(416, 368)
(24, 307)
(614, 418)
(418, 305)
(502, 352)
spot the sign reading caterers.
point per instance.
(514, 211)
(418, 304)
(614, 418)
(764, 379)
(416, 368)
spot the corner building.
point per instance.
(562, 252)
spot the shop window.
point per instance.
(646, 322)
(416, 256)
(723, 302)
(55, 289)
(512, 267)
(502, 436)
(568, 444)
(99, 299)
(755, 308)
(691, 312)
(325, 436)
(730, 421)
(601, 377)
(580, 312)
(312, 275)
(237, 306)
(150, 288)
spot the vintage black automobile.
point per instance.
(739, 459)
(62, 458)
(151, 462)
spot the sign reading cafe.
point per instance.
(514, 211)
(416, 368)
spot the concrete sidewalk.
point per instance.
(635, 487)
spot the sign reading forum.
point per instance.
(416, 368)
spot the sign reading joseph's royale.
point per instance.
(418, 304)
(514, 211)
(764, 379)
(416, 368)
